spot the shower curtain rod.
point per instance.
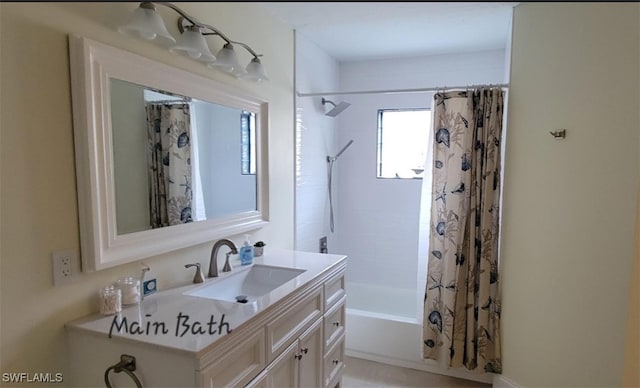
(393, 91)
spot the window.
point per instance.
(402, 142)
(248, 138)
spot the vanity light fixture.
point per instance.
(193, 45)
(227, 60)
(147, 24)
(255, 71)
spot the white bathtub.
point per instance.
(383, 325)
(382, 322)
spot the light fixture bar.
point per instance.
(174, 7)
(147, 24)
(183, 24)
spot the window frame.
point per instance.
(379, 142)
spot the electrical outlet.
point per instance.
(65, 266)
(323, 245)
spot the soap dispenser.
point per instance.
(246, 251)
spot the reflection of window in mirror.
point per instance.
(248, 137)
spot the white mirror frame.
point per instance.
(92, 65)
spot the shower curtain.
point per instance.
(169, 157)
(461, 307)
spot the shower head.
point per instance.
(337, 109)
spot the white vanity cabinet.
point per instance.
(297, 341)
(300, 345)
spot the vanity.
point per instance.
(168, 159)
(289, 334)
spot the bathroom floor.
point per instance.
(363, 373)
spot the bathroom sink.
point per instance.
(247, 284)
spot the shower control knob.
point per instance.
(298, 356)
(304, 350)
(336, 362)
(336, 324)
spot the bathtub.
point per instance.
(383, 324)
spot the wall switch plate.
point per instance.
(65, 266)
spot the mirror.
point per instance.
(203, 150)
(165, 159)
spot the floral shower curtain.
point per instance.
(462, 308)
(169, 156)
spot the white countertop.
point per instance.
(174, 320)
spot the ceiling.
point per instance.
(377, 30)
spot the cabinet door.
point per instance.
(236, 367)
(311, 360)
(283, 371)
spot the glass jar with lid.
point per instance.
(130, 289)
(110, 300)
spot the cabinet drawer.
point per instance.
(334, 324)
(283, 330)
(238, 366)
(333, 290)
(334, 364)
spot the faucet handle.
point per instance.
(227, 266)
(199, 276)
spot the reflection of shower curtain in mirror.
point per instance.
(169, 157)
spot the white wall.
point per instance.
(38, 191)
(569, 205)
(315, 139)
(436, 70)
(379, 218)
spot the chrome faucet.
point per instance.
(213, 264)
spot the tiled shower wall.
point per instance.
(315, 139)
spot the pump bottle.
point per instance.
(246, 251)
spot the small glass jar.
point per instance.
(130, 289)
(110, 300)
